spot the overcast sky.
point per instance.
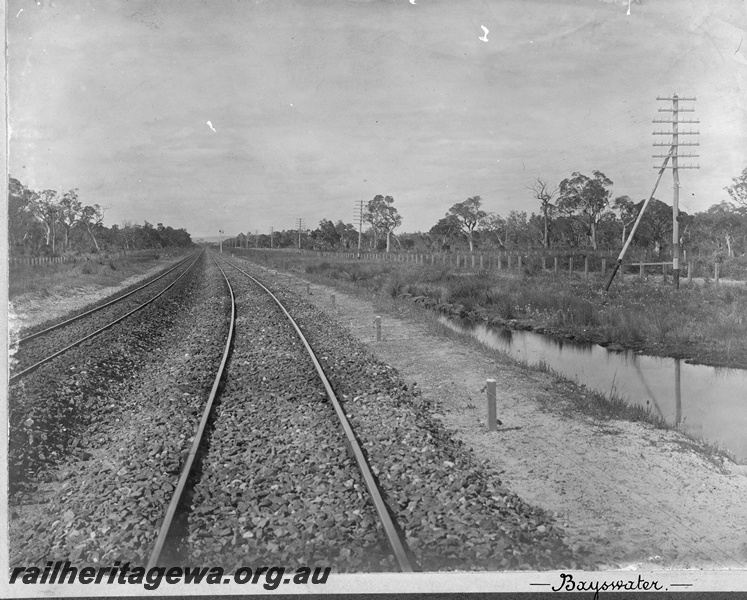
(244, 115)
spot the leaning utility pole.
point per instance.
(675, 144)
(673, 153)
(359, 215)
(300, 229)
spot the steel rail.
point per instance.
(379, 504)
(93, 310)
(187, 468)
(15, 378)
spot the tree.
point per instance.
(656, 226)
(544, 193)
(724, 224)
(738, 191)
(45, 209)
(445, 231)
(491, 229)
(21, 222)
(92, 217)
(517, 230)
(585, 199)
(383, 217)
(347, 232)
(628, 211)
(326, 234)
(69, 213)
(468, 215)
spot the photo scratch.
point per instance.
(19, 12)
(740, 45)
(209, 124)
(484, 38)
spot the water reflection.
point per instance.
(705, 401)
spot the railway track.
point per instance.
(40, 347)
(259, 531)
(292, 459)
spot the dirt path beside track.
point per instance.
(633, 496)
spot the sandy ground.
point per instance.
(27, 310)
(633, 496)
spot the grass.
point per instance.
(706, 324)
(43, 281)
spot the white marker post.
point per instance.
(492, 418)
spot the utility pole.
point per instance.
(300, 229)
(675, 121)
(673, 154)
(256, 238)
(220, 238)
(272, 232)
(359, 215)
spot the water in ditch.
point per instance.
(708, 402)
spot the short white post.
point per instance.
(492, 418)
(308, 289)
(377, 323)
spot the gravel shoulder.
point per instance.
(630, 495)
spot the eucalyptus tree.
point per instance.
(738, 190)
(383, 217)
(469, 215)
(585, 199)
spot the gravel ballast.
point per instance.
(454, 513)
(274, 483)
(130, 406)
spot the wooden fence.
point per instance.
(584, 264)
(53, 260)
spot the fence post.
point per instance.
(716, 272)
(508, 260)
(492, 418)
(473, 261)
(518, 267)
(641, 274)
(544, 263)
(689, 272)
(604, 267)
(664, 272)
(570, 265)
(586, 266)
(555, 264)
(481, 262)
(500, 262)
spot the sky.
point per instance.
(247, 115)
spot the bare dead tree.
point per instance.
(543, 192)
